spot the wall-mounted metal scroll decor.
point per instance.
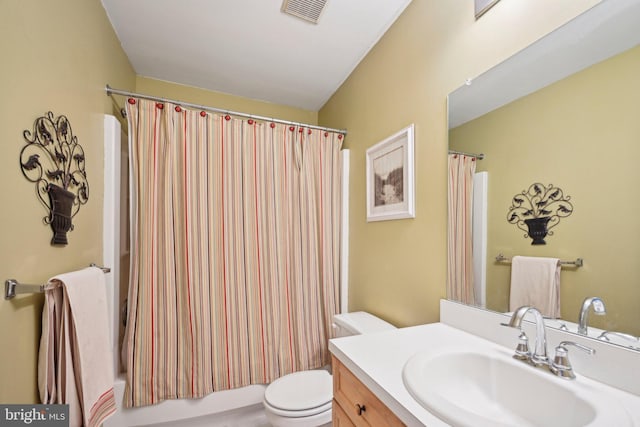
(538, 209)
(54, 161)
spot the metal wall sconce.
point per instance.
(537, 210)
(62, 177)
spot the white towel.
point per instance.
(75, 365)
(536, 282)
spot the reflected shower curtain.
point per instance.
(460, 285)
(235, 251)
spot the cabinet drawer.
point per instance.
(340, 418)
(358, 402)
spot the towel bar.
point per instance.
(577, 263)
(12, 287)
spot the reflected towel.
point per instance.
(536, 282)
(75, 365)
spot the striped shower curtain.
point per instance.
(460, 283)
(235, 251)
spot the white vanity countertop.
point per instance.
(377, 360)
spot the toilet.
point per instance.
(303, 399)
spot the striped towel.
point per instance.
(75, 365)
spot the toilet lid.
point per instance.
(300, 391)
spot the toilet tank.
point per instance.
(358, 323)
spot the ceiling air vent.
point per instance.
(309, 10)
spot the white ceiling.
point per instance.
(248, 47)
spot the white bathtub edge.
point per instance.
(183, 409)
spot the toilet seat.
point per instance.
(304, 399)
(299, 414)
(301, 394)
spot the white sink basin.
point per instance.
(466, 388)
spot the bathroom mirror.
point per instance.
(565, 111)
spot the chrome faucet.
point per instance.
(598, 308)
(539, 356)
(560, 366)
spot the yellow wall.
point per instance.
(57, 56)
(398, 268)
(63, 66)
(580, 134)
(198, 96)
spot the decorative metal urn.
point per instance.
(55, 162)
(537, 229)
(538, 209)
(61, 202)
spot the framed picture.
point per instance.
(390, 178)
(481, 6)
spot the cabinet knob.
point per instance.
(361, 408)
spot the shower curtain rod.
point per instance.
(113, 91)
(477, 156)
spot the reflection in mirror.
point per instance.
(564, 111)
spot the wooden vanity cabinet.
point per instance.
(355, 405)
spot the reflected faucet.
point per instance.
(627, 337)
(598, 308)
(539, 356)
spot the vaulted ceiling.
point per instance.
(250, 48)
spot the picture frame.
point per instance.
(482, 6)
(390, 177)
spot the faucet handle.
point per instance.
(561, 365)
(628, 337)
(522, 350)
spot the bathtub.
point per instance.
(229, 408)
